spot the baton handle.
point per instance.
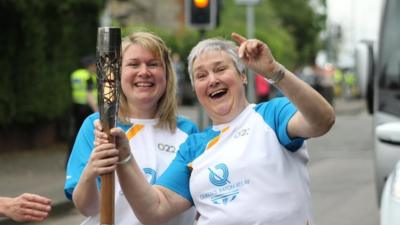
(108, 65)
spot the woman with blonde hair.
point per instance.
(147, 115)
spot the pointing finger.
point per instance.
(238, 38)
(241, 50)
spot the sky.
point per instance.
(359, 20)
(361, 15)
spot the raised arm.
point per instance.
(151, 204)
(315, 116)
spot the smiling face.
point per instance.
(143, 81)
(219, 86)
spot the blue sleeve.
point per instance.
(277, 113)
(186, 125)
(176, 176)
(80, 154)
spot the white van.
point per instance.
(381, 64)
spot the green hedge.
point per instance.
(41, 43)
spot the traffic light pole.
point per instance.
(250, 34)
(251, 94)
(202, 15)
(202, 34)
(203, 120)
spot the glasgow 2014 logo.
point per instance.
(226, 191)
(216, 179)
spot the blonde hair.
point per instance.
(167, 104)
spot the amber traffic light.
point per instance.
(201, 3)
(201, 14)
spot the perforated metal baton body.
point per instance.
(108, 63)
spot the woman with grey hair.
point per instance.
(250, 166)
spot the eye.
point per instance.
(154, 64)
(200, 75)
(132, 64)
(220, 68)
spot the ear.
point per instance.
(243, 77)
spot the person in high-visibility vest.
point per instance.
(339, 81)
(350, 84)
(84, 94)
(83, 82)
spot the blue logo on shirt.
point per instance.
(226, 191)
(216, 179)
(150, 174)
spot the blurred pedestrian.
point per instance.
(350, 81)
(327, 82)
(26, 207)
(321, 79)
(147, 114)
(263, 89)
(339, 82)
(84, 95)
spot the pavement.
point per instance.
(41, 170)
(349, 106)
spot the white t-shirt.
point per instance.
(248, 171)
(153, 149)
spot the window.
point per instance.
(389, 65)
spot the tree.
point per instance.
(304, 21)
(42, 43)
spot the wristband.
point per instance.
(126, 160)
(277, 75)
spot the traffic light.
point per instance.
(201, 14)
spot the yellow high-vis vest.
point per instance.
(79, 83)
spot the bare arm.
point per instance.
(26, 207)
(86, 194)
(151, 204)
(315, 115)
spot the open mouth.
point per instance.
(218, 94)
(144, 84)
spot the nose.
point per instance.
(143, 70)
(214, 81)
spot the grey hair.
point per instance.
(215, 44)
